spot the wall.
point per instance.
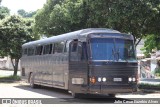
(5, 63)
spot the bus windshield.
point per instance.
(112, 49)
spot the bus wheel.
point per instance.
(32, 85)
(76, 95)
(112, 95)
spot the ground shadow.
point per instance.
(45, 90)
(63, 97)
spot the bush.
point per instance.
(10, 78)
(157, 72)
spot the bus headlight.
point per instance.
(129, 79)
(104, 79)
(99, 79)
(133, 79)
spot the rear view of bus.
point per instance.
(112, 65)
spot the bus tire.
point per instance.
(31, 81)
(112, 95)
(76, 95)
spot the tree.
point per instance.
(21, 12)
(152, 42)
(25, 14)
(137, 17)
(43, 24)
(14, 31)
(4, 11)
(134, 17)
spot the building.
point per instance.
(5, 63)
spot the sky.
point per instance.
(27, 5)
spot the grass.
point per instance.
(10, 78)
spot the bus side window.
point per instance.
(78, 51)
(39, 50)
(58, 48)
(30, 51)
(74, 46)
(53, 49)
(73, 51)
(24, 51)
(66, 48)
(50, 48)
(84, 51)
(47, 49)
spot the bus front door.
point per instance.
(78, 67)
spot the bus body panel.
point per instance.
(49, 70)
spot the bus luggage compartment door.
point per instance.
(78, 78)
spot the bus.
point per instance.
(88, 61)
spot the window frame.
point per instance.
(39, 52)
(49, 51)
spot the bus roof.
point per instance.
(70, 35)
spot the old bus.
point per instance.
(88, 61)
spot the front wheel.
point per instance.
(112, 95)
(76, 95)
(32, 84)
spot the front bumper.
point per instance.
(111, 89)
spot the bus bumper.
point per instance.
(112, 89)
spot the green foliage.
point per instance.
(25, 14)
(69, 15)
(14, 31)
(151, 43)
(43, 24)
(10, 78)
(137, 17)
(64, 17)
(157, 72)
(4, 11)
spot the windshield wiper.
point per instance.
(115, 55)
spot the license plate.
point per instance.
(117, 79)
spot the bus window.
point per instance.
(84, 51)
(74, 54)
(30, 51)
(47, 49)
(58, 48)
(39, 50)
(74, 46)
(24, 51)
(66, 49)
